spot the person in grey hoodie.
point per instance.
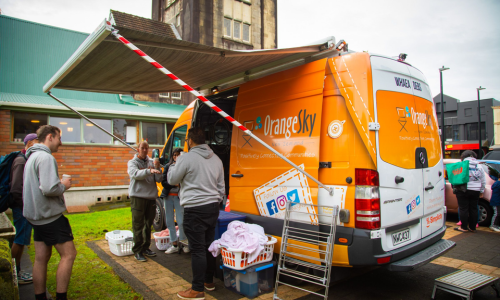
(468, 196)
(43, 208)
(144, 173)
(201, 177)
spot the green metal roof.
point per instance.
(135, 108)
(30, 53)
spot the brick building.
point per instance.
(30, 54)
(226, 24)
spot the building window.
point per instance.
(468, 112)
(176, 95)
(178, 20)
(237, 30)
(246, 32)
(456, 132)
(471, 133)
(70, 128)
(153, 133)
(25, 123)
(449, 133)
(227, 27)
(94, 135)
(126, 130)
(164, 95)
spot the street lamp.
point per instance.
(479, 119)
(442, 108)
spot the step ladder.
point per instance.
(303, 244)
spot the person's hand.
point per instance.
(481, 195)
(154, 171)
(66, 182)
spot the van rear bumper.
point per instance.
(365, 251)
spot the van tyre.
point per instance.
(159, 223)
(485, 213)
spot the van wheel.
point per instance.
(485, 213)
(159, 221)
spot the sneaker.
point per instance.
(459, 223)
(477, 225)
(192, 295)
(210, 286)
(140, 257)
(495, 228)
(149, 253)
(186, 249)
(24, 278)
(172, 249)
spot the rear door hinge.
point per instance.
(373, 126)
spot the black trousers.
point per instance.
(199, 227)
(143, 215)
(467, 203)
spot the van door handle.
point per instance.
(236, 175)
(429, 187)
(399, 179)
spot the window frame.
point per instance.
(175, 97)
(142, 136)
(162, 95)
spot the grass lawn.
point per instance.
(91, 277)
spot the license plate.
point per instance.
(401, 236)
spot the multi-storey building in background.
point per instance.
(227, 24)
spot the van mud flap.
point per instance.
(421, 258)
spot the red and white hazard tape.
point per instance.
(210, 104)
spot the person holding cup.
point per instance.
(43, 207)
(144, 172)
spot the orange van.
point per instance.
(362, 124)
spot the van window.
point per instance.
(177, 140)
(398, 135)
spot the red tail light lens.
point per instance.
(367, 199)
(366, 177)
(383, 260)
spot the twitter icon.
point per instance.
(293, 196)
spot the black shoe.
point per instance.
(149, 253)
(140, 257)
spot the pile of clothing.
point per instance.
(249, 238)
(167, 233)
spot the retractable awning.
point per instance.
(103, 64)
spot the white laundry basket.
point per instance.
(162, 242)
(120, 242)
(238, 260)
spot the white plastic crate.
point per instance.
(238, 260)
(162, 242)
(120, 242)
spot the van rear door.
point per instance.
(399, 154)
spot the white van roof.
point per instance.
(103, 64)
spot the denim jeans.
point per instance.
(170, 203)
(199, 225)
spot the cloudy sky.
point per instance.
(459, 34)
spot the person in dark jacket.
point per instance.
(468, 197)
(495, 203)
(171, 201)
(23, 227)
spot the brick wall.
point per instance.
(88, 165)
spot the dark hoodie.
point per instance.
(42, 190)
(201, 176)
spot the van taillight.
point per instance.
(367, 199)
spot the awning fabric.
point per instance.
(103, 64)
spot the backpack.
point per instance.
(5, 167)
(458, 173)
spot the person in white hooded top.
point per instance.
(468, 197)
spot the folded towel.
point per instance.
(249, 238)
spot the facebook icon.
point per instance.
(271, 207)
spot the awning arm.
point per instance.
(94, 39)
(212, 106)
(90, 121)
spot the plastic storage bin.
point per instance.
(120, 242)
(224, 219)
(252, 281)
(238, 260)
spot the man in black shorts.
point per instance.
(43, 208)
